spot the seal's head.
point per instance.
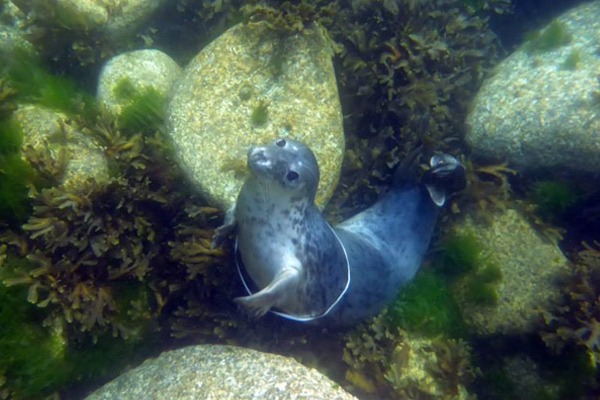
(288, 164)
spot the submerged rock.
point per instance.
(58, 149)
(220, 372)
(143, 69)
(530, 265)
(250, 86)
(114, 18)
(541, 108)
(13, 29)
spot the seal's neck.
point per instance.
(272, 196)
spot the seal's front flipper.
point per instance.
(274, 294)
(229, 225)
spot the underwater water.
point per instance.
(124, 132)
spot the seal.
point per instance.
(295, 264)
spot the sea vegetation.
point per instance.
(572, 61)
(388, 363)
(462, 256)
(427, 306)
(575, 321)
(554, 36)
(553, 199)
(143, 110)
(16, 176)
(260, 114)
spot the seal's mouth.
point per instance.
(257, 159)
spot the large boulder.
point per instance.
(220, 372)
(250, 86)
(541, 108)
(530, 266)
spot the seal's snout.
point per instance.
(257, 159)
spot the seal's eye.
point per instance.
(292, 176)
(280, 142)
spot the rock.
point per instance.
(250, 86)
(13, 28)
(143, 68)
(113, 18)
(536, 112)
(530, 265)
(52, 144)
(220, 372)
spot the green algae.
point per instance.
(427, 306)
(553, 199)
(551, 38)
(572, 61)
(260, 115)
(34, 84)
(144, 109)
(15, 174)
(460, 254)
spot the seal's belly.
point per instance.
(265, 254)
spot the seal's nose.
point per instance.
(256, 153)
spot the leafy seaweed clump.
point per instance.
(33, 357)
(575, 320)
(144, 109)
(426, 305)
(553, 37)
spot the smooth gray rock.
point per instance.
(220, 373)
(535, 112)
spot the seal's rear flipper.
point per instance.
(446, 176)
(284, 285)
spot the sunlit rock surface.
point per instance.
(220, 372)
(248, 87)
(536, 111)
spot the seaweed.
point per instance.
(143, 111)
(553, 199)
(552, 37)
(259, 115)
(32, 83)
(426, 306)
(572, 61)
(575, 320)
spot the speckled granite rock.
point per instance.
(249, 68)
(54, 141)
(143, 68)
(530, 264)
(535, 113)
(213, 372)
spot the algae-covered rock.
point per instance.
(529, 267)
(250, 86)
(13, 28)
(114, 18)
(141, 69)
(57, 149)
(541, 108)
(220, 372)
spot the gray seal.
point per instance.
(295, 264)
